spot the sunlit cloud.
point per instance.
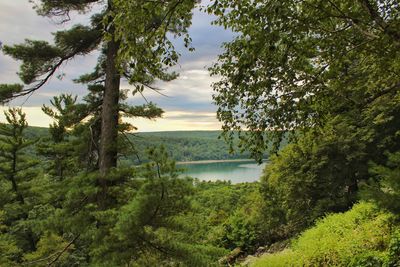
(34, 116)
(178, 121)
(171, 120)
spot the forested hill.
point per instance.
(187, 145)
(37, 132)
(181, 145)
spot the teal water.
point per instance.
(236, 172)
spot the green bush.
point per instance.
(394, 250)
(369, 259)
(362, 236)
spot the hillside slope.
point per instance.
(187, 145)
(181, 145)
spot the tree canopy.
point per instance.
(295, 64)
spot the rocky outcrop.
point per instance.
(271, 249)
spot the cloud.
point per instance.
(34, 116)
(179, 121)
(14, 30)
(173, 120)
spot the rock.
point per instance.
(248, 260)
(278, 247)
(231, 257)
(260, 251)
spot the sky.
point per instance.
(188, 105)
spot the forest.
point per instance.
(189, 145)
(312, 85)
(182, 146)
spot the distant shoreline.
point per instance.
(215, 161)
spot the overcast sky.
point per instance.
(189, 102)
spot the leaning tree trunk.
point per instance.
(109, 114)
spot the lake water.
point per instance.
(236, 172)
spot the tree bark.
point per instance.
(20, 198)
(109, 114)
(352, 190)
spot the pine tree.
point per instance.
(85, 219)
(17, 171)
(133, 37)
(57, 148)
(75, 134)
(14, 164)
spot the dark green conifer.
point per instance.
(17, 173)
(134, 44)
(15, 165)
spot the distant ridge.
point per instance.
(182, 146)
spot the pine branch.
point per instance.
(58, 254)
(43, 81)
(62, 251)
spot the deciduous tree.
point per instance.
(296, 64)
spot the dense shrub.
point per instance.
(363, 236)
(312, 177)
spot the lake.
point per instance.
(235, 171)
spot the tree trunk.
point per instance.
(352, 193)
(20, 198)
(109, 114)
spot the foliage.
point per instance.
(394, 249)
(241, 230)
(49, 244)
(359, 237)
(8, 247)
(149, 221)
(19, 193)
(324, 73)
(53, 219)
(227, 215)
(141, 29)
(56, 148)
(140, 216)
(384, 187)
(16, 168)
(294, 64)
(315, 175)
(150, 217)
